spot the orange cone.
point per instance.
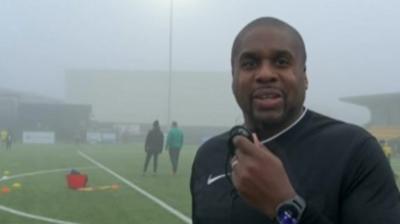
(5, 189)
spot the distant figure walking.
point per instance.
(9, 140)
(153, 146)
(4, 137)
(174, 145)
(387, 149)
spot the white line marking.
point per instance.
(37, 217)
(143, 192)
(41, 218)
(41, 172)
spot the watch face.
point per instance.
(288, 214)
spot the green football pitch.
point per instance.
(34, 188)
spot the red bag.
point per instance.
(76, 181)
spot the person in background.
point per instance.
(153, 146)
(9, 140)
(174, 145)
(3, 136)
(387, 149)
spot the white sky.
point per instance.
(352, 45)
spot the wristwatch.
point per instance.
(290, 211)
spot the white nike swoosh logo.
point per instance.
(211, 179)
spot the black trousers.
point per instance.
(8, 144)
(148, 157)
(174, 156)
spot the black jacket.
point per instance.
(338, 168)
(154, 141)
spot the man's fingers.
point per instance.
(256, 141)
(234, 161)
(247, 147)
(242, 144)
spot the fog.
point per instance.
(352, 47)
(81, 82)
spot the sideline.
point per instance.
(140, 190)
(3, 178)
(37, 217)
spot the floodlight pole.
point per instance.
(171, 11)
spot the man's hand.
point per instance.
(259, 176)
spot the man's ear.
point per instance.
(305, 81)
(233, 81)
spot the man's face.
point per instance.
(269, 80)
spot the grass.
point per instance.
(395, 163)
(47, 194)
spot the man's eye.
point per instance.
(248, 64)
(282, 61)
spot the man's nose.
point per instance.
(266, 73)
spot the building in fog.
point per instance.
(197, 98)
(123, 100)
(384, 114)
(26, 112)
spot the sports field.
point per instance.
(34, 189)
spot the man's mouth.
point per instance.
(267, 98)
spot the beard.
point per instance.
(271, 120)
(267, 119)
(270, 116)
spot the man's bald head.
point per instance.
(273, 23)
